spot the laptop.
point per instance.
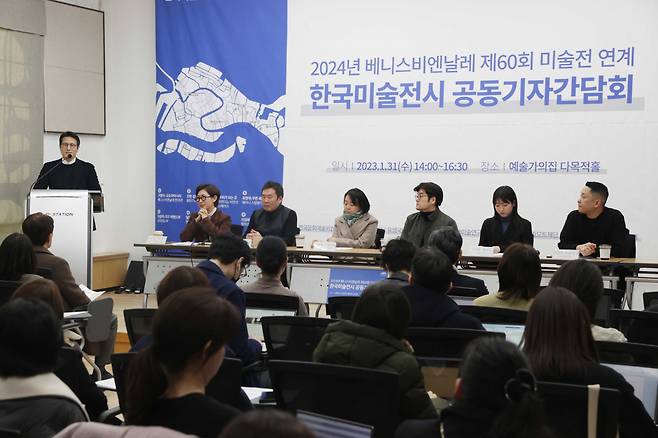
(644, 382)
(439, 375)
(513, 333)
(323, 426)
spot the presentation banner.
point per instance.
(351, 282)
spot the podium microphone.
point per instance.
(68, 157)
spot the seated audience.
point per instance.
(209, 221)
(495, 397)
(396, 261)
(40, 228)
(274, 219)
(272, 259)
(375, 339)
(270, 423)
(70, 368)
(229, 257)
(356, 228)
(33, 400)
(17, 259)
(560, 348)
(431, 271)
(584, 279)
(166, 381)
(519, 276)
(506, 226)
(449, 241)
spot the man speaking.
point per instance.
(69, 173)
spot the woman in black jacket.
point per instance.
(506, 226)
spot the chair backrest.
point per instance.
(341, 307)
(628, 353)
(650, 299)
(611, 299)
(226, 387)
(139, 323)
(120, 363)
(357, 394)
(443, 342)
(237, 229)
(496, 315)
(378, 237)
(639, 327)
(463, 291)
(98, 326)
(565, 407)
(293, 337)
(630, 249)
(7, 289)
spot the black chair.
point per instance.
(565, 407)
(7, 289)
(496, 315)
(650, 299)
(628, 353)
(611, 299)
(358, 394)
(341, 307)
(630, 249)
(443, 342)
(257, 300)
(139, 323)
(120, 363)
(378, 237)
(462, 291)
(293, 337)
(237, 229)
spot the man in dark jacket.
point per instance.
(431, 273)
(418, 226)
(228, 256)
(449, 241)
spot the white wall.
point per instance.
(124, 158)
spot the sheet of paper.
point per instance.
(107, 384)
(91, 294)
(77, 315)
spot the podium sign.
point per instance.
(71, 211)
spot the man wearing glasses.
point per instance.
(209, 221)
(273, 219)
(418, 226)
(69, 172)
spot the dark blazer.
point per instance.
(206, 229)
(459, 280)
(61, 274)
(519, 230)
(434, 309)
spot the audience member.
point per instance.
(495, 397)
(396, 261)
(431, 271)
(584, 279)
(17, 259)
(166, 381)
(209, 221)
(519, 276)
(418, 226)
(70, 368)
(449, 241)
(40, 228)
(33, 400)
(229, 257)
(375, 339)
(356, 227)
(272, 259)
(506, 226)
(270, 423)
(560, 348)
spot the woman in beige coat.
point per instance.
(356, 228)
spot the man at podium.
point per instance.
(69, 172)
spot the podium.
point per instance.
(71, 211)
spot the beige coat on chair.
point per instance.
(361, 234)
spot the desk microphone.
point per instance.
(68, 157)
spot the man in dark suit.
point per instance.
(449, 241)
(431, 271)
(39, 228)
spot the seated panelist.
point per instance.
(355, 228)
(506, 226)
(209, 221)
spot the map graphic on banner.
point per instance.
(219, 113)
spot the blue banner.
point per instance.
(351, 282)
(221, 73)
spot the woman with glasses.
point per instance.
(355, 228)
(208, 222)
(506, 226)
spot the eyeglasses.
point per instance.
(72, 145)
(420, 195)
(202, 198)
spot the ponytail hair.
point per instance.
(495, 376)
(188, 320)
